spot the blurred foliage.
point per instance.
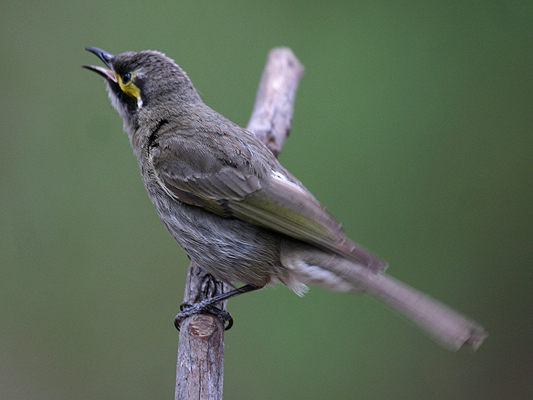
(413, 125)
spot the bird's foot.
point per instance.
(207, 306)
(203, 307)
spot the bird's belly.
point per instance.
(230, 249)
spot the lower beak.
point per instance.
(106, 73)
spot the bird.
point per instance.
(236, 211)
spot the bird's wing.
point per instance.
(242, 181)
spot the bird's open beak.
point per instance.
(106, 58)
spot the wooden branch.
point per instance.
(200, 365)
(271, 119)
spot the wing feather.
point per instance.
(255, 188)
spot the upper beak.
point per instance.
(106, 58)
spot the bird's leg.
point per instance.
(208, 306)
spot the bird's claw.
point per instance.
(188, 309)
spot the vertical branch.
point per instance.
(200, 365)
(271, 119)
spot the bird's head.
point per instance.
(144, 83)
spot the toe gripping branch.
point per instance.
(208, 306)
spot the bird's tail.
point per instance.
(450, 328)
(447, 326)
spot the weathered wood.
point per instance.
(200, 366)
(271, 119)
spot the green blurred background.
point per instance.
(413, 125)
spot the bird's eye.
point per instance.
(126, 78)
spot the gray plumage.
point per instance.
(235, 210)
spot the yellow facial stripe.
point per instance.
(129, 88)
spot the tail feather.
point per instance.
(448, 327)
